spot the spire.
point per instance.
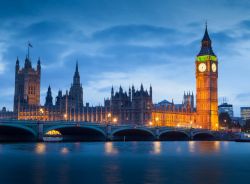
(17, 65)
(206, 44)
(141, 87)
(76, 67)
(76, 80)
(120, 89)
(38, 67)
(27, 63)
(206, 36)
(112, 91)
(49, 98)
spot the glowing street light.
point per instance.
(150, 123)
(65, 116)
(41, 110)
(115, 120)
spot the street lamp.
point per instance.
(41, 111)
(109, 118)
(191, 124)
(157, 119)
(65, 116)
(217, 126)
(115, 120)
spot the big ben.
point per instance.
(206, 85)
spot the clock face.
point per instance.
(202, 67)
(214, 67)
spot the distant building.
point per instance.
(245, 113)
(5, 114)
(228, 108)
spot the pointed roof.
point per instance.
(206, 35)
(206, 45)
(76, 70)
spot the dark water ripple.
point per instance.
(125, 162)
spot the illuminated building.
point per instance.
(206, 113)
(27, 85)
(245, 113)
(135, 107)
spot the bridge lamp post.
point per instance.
(109, 117)
(191, 124)
(65, 117)
(217, 126)
(150, 123)
(115, 120)
(41, 111)
(157, 120)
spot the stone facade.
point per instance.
(27, 85)
(206, 113)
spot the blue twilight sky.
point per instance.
(126, 42)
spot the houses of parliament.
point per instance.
(122, 107)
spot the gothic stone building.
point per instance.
(134, 107)
(206, 113)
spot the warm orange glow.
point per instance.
(115, 120)
(53, 133)
(65, 116)
(41, 110)
(109, 115)
(40, 148)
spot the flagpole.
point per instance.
(28, 50)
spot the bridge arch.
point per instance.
(132, 134)
(11, 132)
(200, 136)
(173, 135)
(79, 133)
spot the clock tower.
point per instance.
(206, 85)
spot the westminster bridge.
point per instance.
(12, 130)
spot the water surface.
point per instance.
(125, 162)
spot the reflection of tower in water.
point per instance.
(111, 170)
(109, 148)
(157, 147)
(204, 147)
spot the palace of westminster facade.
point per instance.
(132, 107)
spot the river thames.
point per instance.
(125, 162)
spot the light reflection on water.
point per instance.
(109, 148)
(157, 147)
(40, 148)
(125, 162)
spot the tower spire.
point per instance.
(76, 75)
(206, 44)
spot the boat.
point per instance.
(53, 136)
